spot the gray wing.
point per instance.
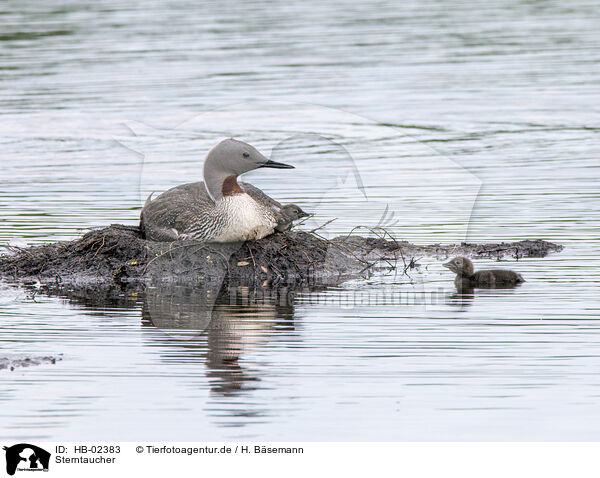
(175, 211)
(260, 196)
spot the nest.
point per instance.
(119, 255)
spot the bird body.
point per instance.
(218, 209)
(497, 277)
(187, 212)
(467, 278)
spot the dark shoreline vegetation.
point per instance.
(118, 255)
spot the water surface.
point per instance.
(466, 122)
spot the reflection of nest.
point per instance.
(118, 254)
(12, 363)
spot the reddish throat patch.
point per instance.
(231, 187)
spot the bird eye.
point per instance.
(246, 154)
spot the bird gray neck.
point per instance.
(220, 185)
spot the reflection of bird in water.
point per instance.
(462, 298)
(218, 329)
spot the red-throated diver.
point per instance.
(218, 209)
(467, 278)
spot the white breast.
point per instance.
(246, 219)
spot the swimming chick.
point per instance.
(218, 209)
(467, 278)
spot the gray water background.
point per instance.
(471, 121)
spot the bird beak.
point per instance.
(275, 164)
(305, 214)
(447, 265)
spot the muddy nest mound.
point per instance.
(119, 254)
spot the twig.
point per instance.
(304, 220)
(252, 256)
(101, 246)
(322, 226)
(19, 249)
